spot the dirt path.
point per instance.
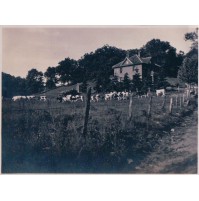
(176, 153)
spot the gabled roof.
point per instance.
(134, 60)
(146, 60)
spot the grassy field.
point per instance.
(46, 137)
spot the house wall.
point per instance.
(127, 69)
(131, 70)
(139, 68)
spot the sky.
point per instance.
(24, 48)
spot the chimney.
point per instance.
(138, 53)
(127, 54)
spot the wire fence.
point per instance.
(139, 106)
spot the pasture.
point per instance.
(46, 136)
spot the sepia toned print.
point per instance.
(114, 99)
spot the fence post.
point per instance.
(180, 101)
(88, 98)
(149, 107)
(149, 113)
(176, 100)
(183, 98)
(130, 106)
(164, 101)
(171, 105)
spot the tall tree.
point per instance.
(51, 78)
(146, 83)
(35, 81)
(84, 86)
(12, 86)
(126, 82)
(98, 65)
(193, 37)
(163, 54)
(137, 82)
(66, 70)
(160, 81)
(188, 72)
(155, 47)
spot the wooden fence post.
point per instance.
(183, 98)
(164, 101)
(88, 98)
(130, 106)
(176, 101)
(149, 107)
(171, 105)
(149, 113)
(180, 101)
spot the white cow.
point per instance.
(108, 96)
(15, 98)
(95, 98)
(67, 98)
(125, 95)
(30, 97)
(111, 95)
(43, 98)
(92, 98)
(160, 92)
(80, 98)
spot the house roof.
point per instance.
(134, 60)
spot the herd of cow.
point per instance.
(94, 98)
(17, 98)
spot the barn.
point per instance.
(54, 93)
(136, 65)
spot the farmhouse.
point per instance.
(136, 65)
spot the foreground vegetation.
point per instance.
(47, 137)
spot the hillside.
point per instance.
(54, 93)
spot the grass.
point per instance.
(46, 137)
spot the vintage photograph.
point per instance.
(99, 99)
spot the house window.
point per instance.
(120, 70)
(135, 68)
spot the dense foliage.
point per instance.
(96, 67)
(188, 71)
(12, 86)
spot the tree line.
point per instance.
(97, 67)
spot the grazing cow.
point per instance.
(42, 98)
(30, 97)
(115, 96)
(120, 96)
(144, 96)
(73, 98)
(92, 98)
(67, 98)
(109, 96)
(125, 95)
(79, 98)
(141, 94)
(95, 98)
(16, 98)
(148, 94)
(160, 92)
